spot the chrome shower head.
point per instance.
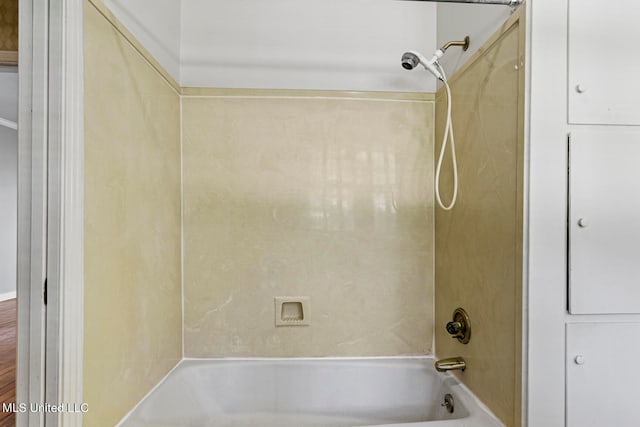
(412, 58)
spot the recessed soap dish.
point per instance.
(292, 311)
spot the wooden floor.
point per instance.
(7, 359)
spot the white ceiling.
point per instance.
(292, 44)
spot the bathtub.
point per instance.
(389, 392)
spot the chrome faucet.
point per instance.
(451, 364)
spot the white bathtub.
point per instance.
(398, 392)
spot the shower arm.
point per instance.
(464, 43)
(512, 3)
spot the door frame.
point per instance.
(50, 211)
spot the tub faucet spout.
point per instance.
(451, 364)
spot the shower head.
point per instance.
(412, 58)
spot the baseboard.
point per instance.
(7, 296)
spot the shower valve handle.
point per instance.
(460, 326)
(454, 328)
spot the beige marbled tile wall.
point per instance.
(132, 318)
(302, 196)
(479, 242)
(8, 25)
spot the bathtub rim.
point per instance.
(468, 398)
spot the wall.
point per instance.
(547, 216)
(551, 366)
(254, 44)
(479, 243)
(156, 25)
(294, 195)
(288, 44)
(132, 224)
(8, 25)
(478, 21)
(8, 182)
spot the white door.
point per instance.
(604, 221)
(602, 379)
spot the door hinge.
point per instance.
(44, 293)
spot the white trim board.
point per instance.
(7, 296)
(547, 215)
(65, 240)
(32, 128)
(50, 210)
(8, 124)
